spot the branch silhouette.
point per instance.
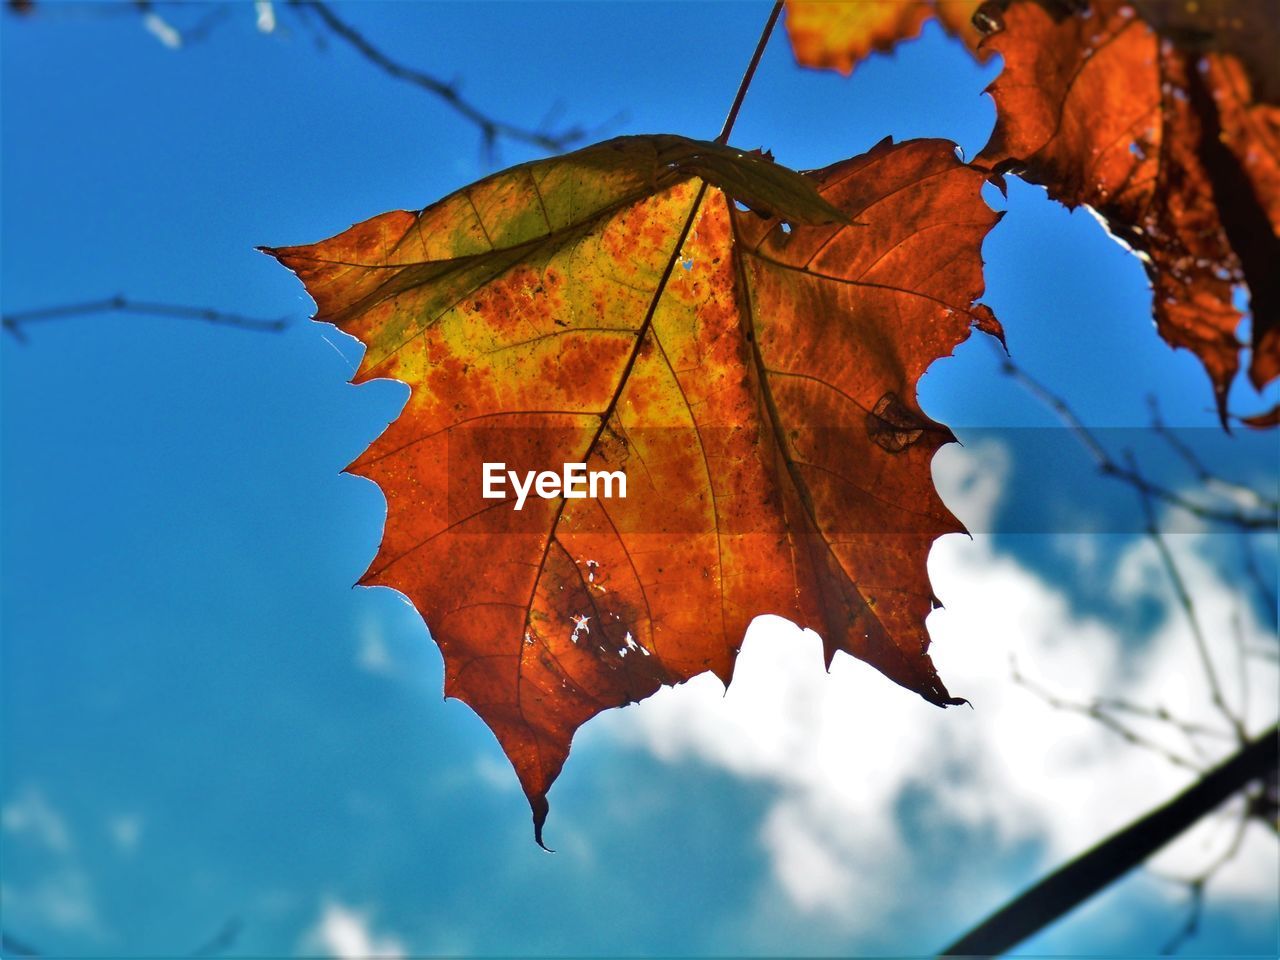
(1265, 515)
(14, 323)
(1196, 887)
(323, 16)
(491, 129)
(1108, 712)
(1178, 582)
(1235, 505)
(221, 942)
(1074, 882)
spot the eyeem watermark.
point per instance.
(575, 482)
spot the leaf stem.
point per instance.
(751, 72)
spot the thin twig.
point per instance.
(1264, 805)
(1108, 466)
(1162, 715)
(13, 947)
(490, 128)
(1196, 887)
(220, 942)
(216, 946)
(751, 72)
(1242, 664)
(1266, 592)
(1095, 712)
(1228, 488)
(172, 36)
(14, 322)
(1188, 609)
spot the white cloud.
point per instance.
(62, 895)
(344, 932)
(62, 899)
(373, 654)
(496, 774)
(266, 16)
(125, 831)
(845, 751)
(30, 815)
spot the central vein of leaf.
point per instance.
(643, 331)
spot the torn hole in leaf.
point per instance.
(893, 425)
(756, 211)
(988, 20)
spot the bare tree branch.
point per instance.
(1266, 591)
(220, 942)
(15, 322)
(1233, 504)
(1188, 607)
(1227, 488)
(1099, 712)
(1233, 515)
(216, 946)
(491, 129)
(172, 35)
(1074, 882)
(1196, 887)
(14, 947)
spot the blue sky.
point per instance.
(202, 720)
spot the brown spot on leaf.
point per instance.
(893, 425)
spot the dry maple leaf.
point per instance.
(752, 372)
(1162, 136)
(841, 33)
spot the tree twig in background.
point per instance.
(14, 947)
(215, 946)
(1196, 887)
(1162, 715)
(1242, 664)
(1229, 489)
(1266, 592)
(317, 12)
(1188, 607)
(172, 36)
(1233, 504)
(1073, 883)
(1231, 515)
(15, 322)
(491, 129)
(1100, 712)
(220, 942)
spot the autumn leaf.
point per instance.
(1245, 29)
(742, 342)
(1265, 420)
(841, 33)
(1163, 136)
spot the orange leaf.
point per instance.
(1167, 144)
(1265, 420)
(841, 33)
(753, 375)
